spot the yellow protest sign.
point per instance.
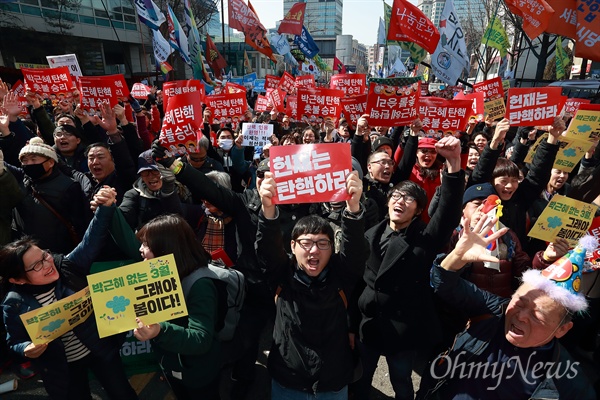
(54, 320)
(585, 125)
(150, 290)
(505, 85)
(571, 151)
(494, 109)
(563, 217)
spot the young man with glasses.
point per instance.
(397, 315)
(311, 356)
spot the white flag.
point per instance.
(162, 48)
(450, 57)
(152, 17)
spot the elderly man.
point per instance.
(515, 353)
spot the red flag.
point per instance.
(339, 66)
(587, 37)
(564, 20)
(535, 13)
(409, 24)
(243, 18)
(214, 58)
(293, 20)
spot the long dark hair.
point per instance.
(170, 233)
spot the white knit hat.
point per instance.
(37, 146)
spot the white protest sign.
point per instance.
(66, 60)
(256, 134)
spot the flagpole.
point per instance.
(491, 23)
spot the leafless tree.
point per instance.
(60, 19)
(203, 10)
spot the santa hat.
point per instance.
(561, 281)
(37, 146)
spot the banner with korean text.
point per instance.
(320, 102)
(54, 320)
(493, 92)
(47, 81)
(305, 81)
(534, 106)
(350, 84)
(440, 116)
(572, 104)
(256, 134)
(140, 91)
(182, 124)
(353, 108)
(19, 89)
(287, 83)
(310, 173)
(261, 104)
(226, 107)
(585, 125)
(565, 218)
(97, 89)
(392, 105)
(292, 107)
(409, 24)
(149, 290)
(174, 88)
(271, 82)
(275, 98)
(66, 60)
(570, 153)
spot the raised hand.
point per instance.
(415, 127)
(145, 332)
(109, 118)
(354, 187)
(267, 191)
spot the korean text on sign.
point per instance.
(565, 218)
(226, 107)
(310, 173)
(182, 124)
(440, 116)
(533, 106)
(149, 290)
(48, 81)
(492, 89)
(97, 89)
(392, 105)
(173, 88)
(585, 125)
(350, 84)
(54, 320)
(318, 102)
(354, 107)
(256, 134)
(570, 152)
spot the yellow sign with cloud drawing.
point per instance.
(570, 152)
(563, 217)
(54, 320)
(149, 290)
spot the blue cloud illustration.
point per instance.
(569, 152)
(118, 304)
(584, 128)
(54, 325)
(554, 222)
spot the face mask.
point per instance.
(34, 171)
(226, 144)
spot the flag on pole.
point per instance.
(243, 18)
(381, 32)
(495, 36)
(281, 46)
(321, 63)
(197, 60)
(403, 26)
(247, 64)
(162, 49)
(177, 38)
(294, 20)
(165, 67)
(450, 58)
(338, 66)
(306, 43)
(148, 13)
(562, 59)
(214, 58)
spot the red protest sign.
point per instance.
(98, 89)
(409, 24)
(354, 107)
(140, 91)
(231, 87)
(305, 81)
(535, 13)
(350, 84)
(534, 106)
(276, 96)
(572, 105)
(440, 116)
(271, 82)
(182, 124)
(292, 107)
(491, 89)
(564, 19)
(588, 32)
(287, 83)
(226, 107)
(477, 101)
(310, 173)
(261, 104)
(47, 81)
(19, 89)
(392, 105)
(173, 88)
(319, 102)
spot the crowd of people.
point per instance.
(344, 283)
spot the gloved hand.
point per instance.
(135, 105)
(168, 180)
(159, 154)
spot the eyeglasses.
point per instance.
(147, 172)
(384, 163)
(308, 244)
(430, 151)
(402, 196)
(63, 133)
(39, 265)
